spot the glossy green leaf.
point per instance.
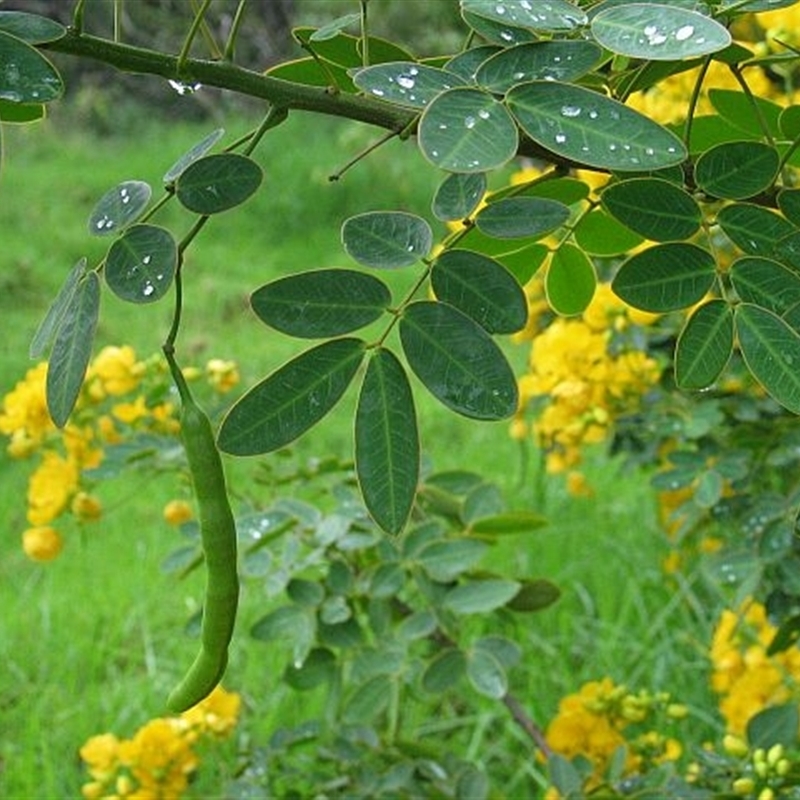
(570, 281)
(787, 250)
(507, 522)
(193, 154)
(27, 76)
(588, 128)
(666, 277)
(368, 701)
(321, 303)
(655, 32)
(482, 288)
(765, 283)
(704, 345)
(387, 442)
(752, 115)
(72, 348)
(753, 228)
(446, 560)
(774, 725)
(555, 15)
(486, 674)
(406, 83)
(789, 122)
(31, 28)
(444, 672)
(498, 33)
(558, 60)
(312, 72)
(55, 313)
(318, 668)
(20, 113)
(654, 208)
(789, 204)
(457, 361)
(467, 62)
(458, 195)
(599, 234)
(519, 217)
(568, 191)
(119, 207)
(524, 262)
(480, 597)
(140, 265)
(345, 50)
(292, 399)
(535, 595)
(467, 130)
(216, 183)
(771, 350)
(335, 27)
(737, 170)
(506, 651)
(387, 239)
(418, 625)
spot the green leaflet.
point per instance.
(140, 265)
(704, 346)
(737, 170)
(216, 183)
(386, 239)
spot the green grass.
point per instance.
(89, 641)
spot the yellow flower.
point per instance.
(50, 487)
(176, 512)
(101, 754)
(222, 375)
(116, 371)
(41, 544)
(24, 416)
(217, 714)
(132, 411)
(86, 507)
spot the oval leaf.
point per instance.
(406, 82)
(119, 207)
(20, 112)
(550, 61)
(55, 314)
(444, 672)
(771, 350)
(587, 128)
(458, 361)
(765, 283)
(486, 674)
(72, 348)
(666, 277)
(736, 170)
(321, 303)
(654, 208)
(291, 400)
(570, 281)
(26, 75)
(467, 63)
(467, 130)
(704, 346)
(555, 15)
(482, 288)
(446, 560)
(386, 239)
(599, 234)
(192, 155)
(140, 265)
(752, 228)
(519, 217)
(480, 597)
(31, 28)
(387, 442)
(216, 183)
(458, 195)
(789, 201)
(499, 33)
(655, 32)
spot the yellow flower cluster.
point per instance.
(577, 383)
(746, 678)
(601, 718)
(158, 761)
(117, 397)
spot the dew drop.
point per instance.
(593, 114)
(405, 81)
(684, 32)
(500, 9)
(146, 260)
(526, 5)
(560, 138)
(506, 36)
(483, 114)
(377, 92)
(649, 151)
(184, 88)
(442, 126)
(570, 111)
(148, 289)
(413, 71)
(469, 122)
(518, 76)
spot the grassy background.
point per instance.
(89, 641)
